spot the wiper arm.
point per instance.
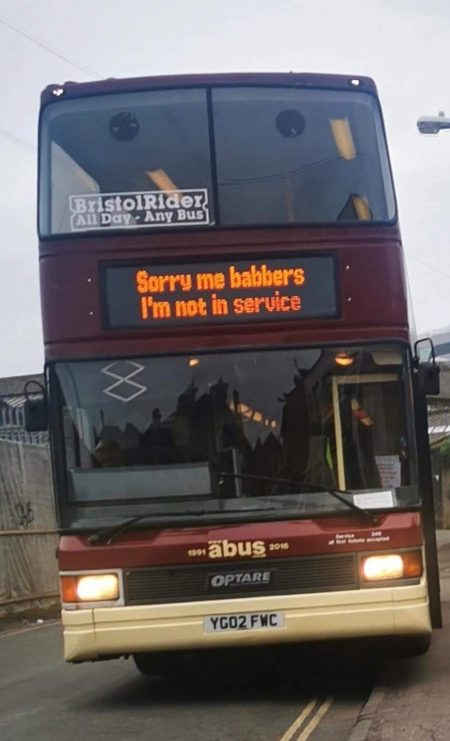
(311, 486)
(107, 535)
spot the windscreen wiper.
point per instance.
(107, 535)
(310, 486)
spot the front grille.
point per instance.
(287, 576)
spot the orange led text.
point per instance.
(203, 294)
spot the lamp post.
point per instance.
(433, 124)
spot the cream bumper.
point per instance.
(92, 633)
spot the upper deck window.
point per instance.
(103, 158)
(254, 157)
(288, 156)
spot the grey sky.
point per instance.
(402, 44)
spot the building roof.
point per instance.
(15, 384)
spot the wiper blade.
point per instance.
(107, 535)
(310, 486)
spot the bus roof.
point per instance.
(295, 79)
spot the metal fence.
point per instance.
(28, 540)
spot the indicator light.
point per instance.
(413, 564)
(343, 359)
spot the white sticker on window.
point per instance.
(161, 208)
(374, 499)
(123, 388)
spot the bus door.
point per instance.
(374, 450)
(370, 426)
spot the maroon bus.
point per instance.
(234, 406)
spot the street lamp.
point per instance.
(433, 124)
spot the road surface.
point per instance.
(287, 695)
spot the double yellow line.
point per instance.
(311, 716)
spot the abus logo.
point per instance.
(239, 579)
(230, 549)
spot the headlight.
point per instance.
(90, 588)
(383, 567)
(392, 566)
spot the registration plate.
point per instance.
(244, 621)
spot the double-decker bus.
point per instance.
(233, 402)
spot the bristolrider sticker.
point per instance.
(161, 208)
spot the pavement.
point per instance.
(410, 701)
(36, 615)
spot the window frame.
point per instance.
(44, 190)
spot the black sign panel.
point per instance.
(232, 580)
(264, 290)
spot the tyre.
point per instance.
(158, 663)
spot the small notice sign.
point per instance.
(389, 468)
(147, 209)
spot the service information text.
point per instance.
(237, 291)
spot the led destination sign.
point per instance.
(236, 291)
